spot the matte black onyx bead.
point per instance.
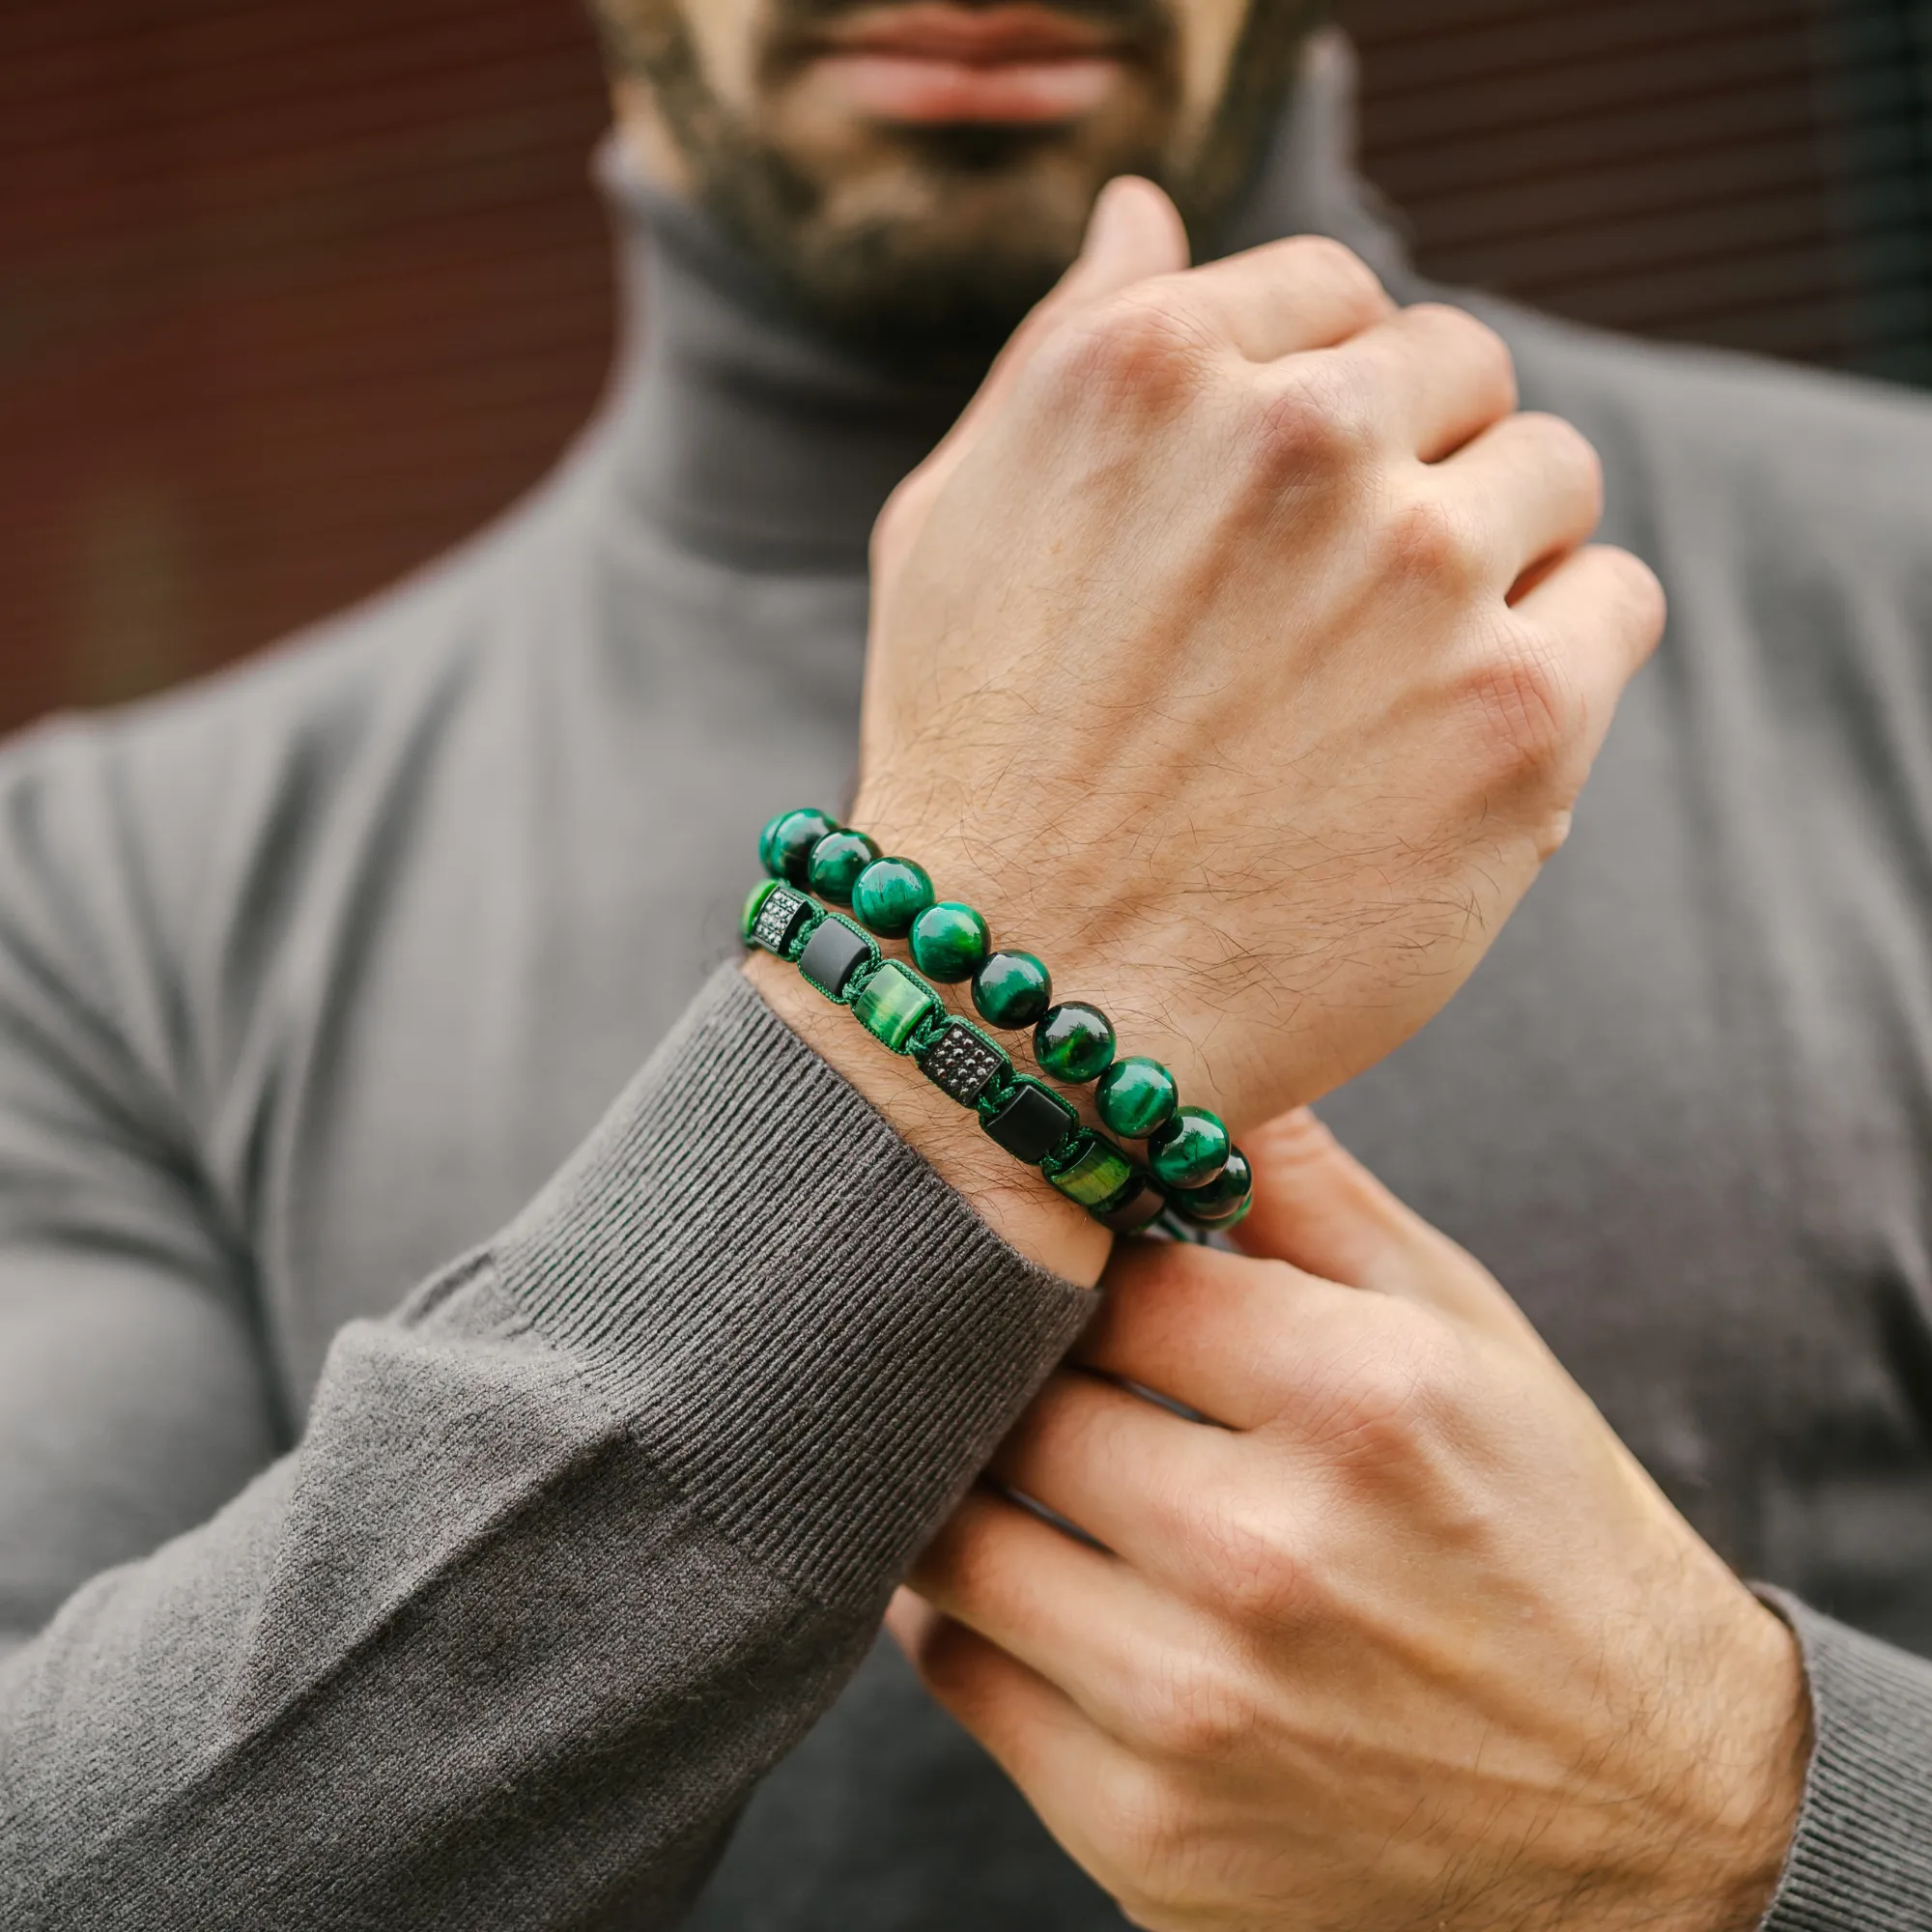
(1013, 989)
(834, 951)
(1140, 1207)
(1075, 1041)
(837, 860)
(1031, 1124)
(786, 843)
(961, 1063)
(781, 918)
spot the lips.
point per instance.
(936, 64)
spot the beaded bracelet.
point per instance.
(1197, 1169)
(902, 1012)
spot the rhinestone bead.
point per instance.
(782, 914)
(1013, 989)
(1075, 1041)
(889, 894)
(786, 843)
(1190, 1150)
(950, 942)
(961, 1063)
(1135, 1096)
(837, 860)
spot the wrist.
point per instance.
(1012, 1198)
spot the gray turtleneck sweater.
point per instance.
(407, 1522)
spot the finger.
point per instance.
(1200, 1326)
(1081, 1620)
(1285, 297)
(1608, 606)
(1535, 488)
(1027, 1725)
(1133, 233)
(1318, 1209)
(1436, 376)
(1127, 1472)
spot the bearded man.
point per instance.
(1242, 651)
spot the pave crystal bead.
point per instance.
(893, 1004)
(755, 905)
(837, 860)
(961, 1062)
(1075, 1041)
(950, 942)
(1032, 1123)
(889, 894)
(781, 918)
(836, 950)
(1098, 1175)
(1135, 1096)
(1190, 1150)
(786, 843)
(1013, 989)
(1138, 1207)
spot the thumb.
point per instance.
(1134, 232)
(1317, 1207)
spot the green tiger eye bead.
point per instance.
(1013, 989)
(1099, 1174)
(950, 942)
(1075, 1041)
(889, 894)
(1191, 1150)
(1230, 1189)
(893, 1006)
(837, 860)
(786, 843)
(755, 905)
(1135, 1096)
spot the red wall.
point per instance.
(293, 295)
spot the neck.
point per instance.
(744, 434)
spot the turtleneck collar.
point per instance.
(743, 434)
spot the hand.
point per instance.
(1406, 1638)
(1236, 654)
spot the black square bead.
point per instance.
(834, 952)
(1139, 1209)
(1030, 1126)
(779, 919)
(961, 1063)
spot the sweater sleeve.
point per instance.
(1861, 1860)
(573, 1549)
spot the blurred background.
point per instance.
(292, 297)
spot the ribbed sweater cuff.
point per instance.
(1862, 1860)
(817, 1339)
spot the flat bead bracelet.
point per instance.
(1025, 1116)
(1204, 1176)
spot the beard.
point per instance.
(927, 244)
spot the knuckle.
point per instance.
(1375, 1400)
(1434, 545)
(1524, 706)
(1322, 258)
(1143, 1826)
(1314, 427)
(1143, 345)
(1480, 348)
(1249, 1563)
(1191, 1708)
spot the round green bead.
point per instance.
(950, 942)
(1013, 989)
(837, 860)
(1191, 1150)
(1075, 1041)
(889, 894)
(786, 843)
(1135, 1096)
(1217, 1202)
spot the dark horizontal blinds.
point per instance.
(1756, 173)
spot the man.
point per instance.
(1244, 652)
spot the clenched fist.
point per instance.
(1238, 654)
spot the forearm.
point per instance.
(571, 1551)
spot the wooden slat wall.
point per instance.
(292, 297)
